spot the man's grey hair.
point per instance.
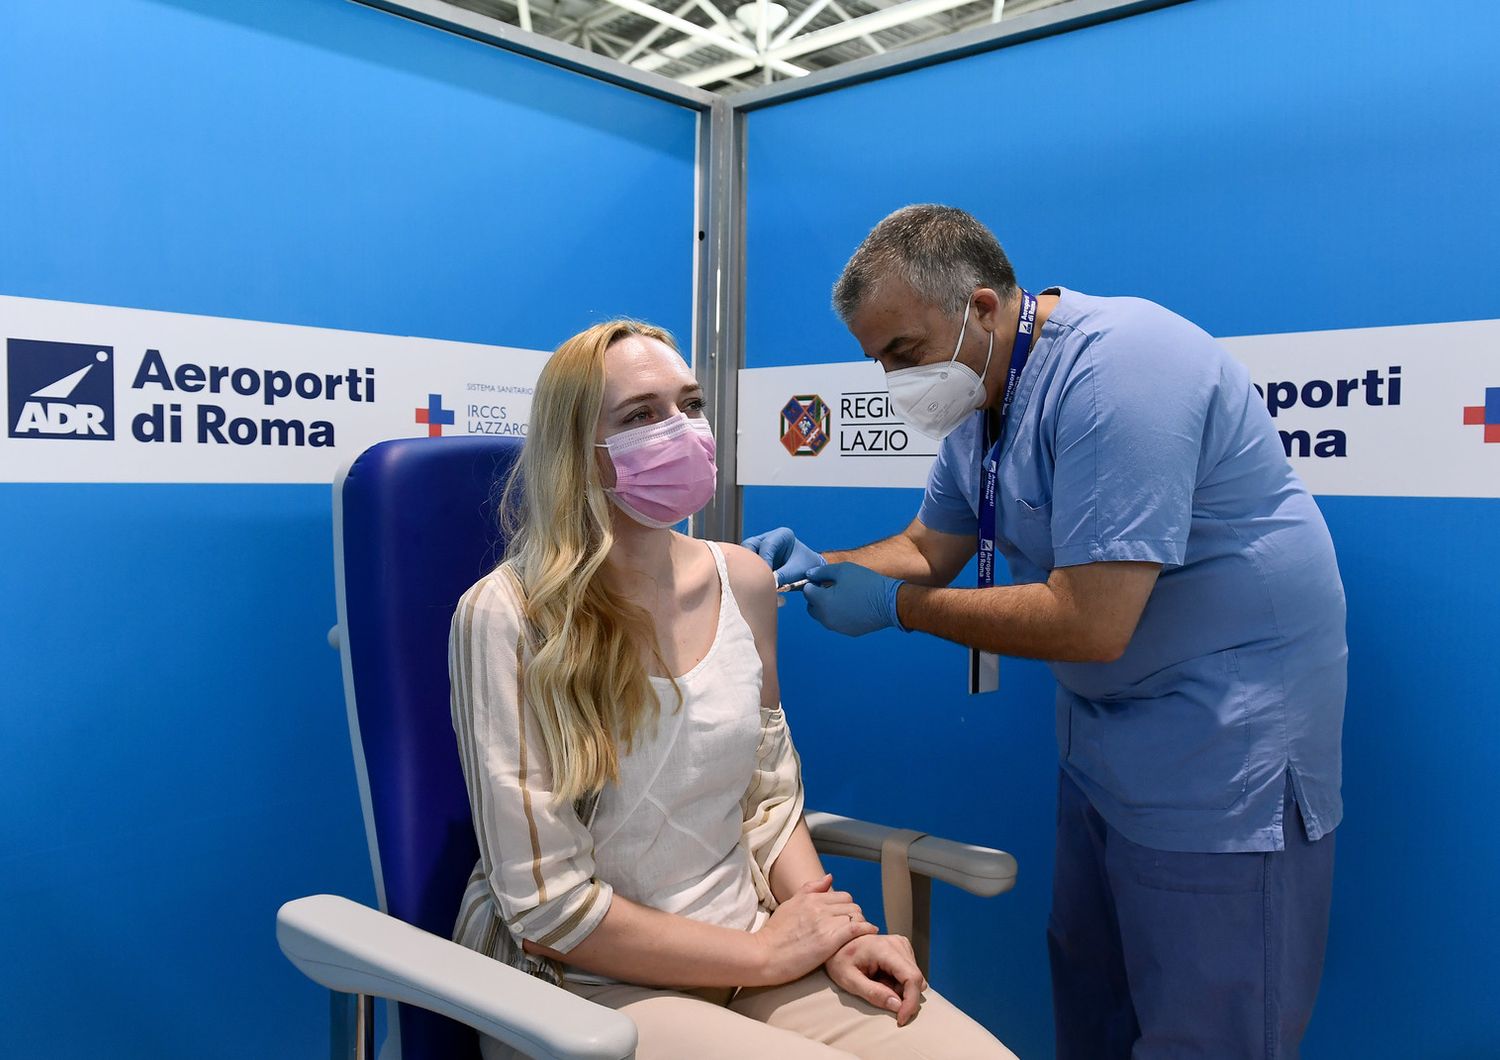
(944, 253)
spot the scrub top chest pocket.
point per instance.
(1024, 508)
(1027, 525)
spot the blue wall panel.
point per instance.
(1260, 166)
(174, 760)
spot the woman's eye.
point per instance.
(638, 416)
(694, 405)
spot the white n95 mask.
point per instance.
(936, 398)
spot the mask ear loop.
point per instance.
(960, 343)
(989, 352)
(987, 355)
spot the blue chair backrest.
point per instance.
(414, 526)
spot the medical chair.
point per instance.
(414, 526)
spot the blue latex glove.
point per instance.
(851, 599)
(788, 557)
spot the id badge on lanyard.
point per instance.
(984, 667)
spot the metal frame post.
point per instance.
(352, 1026)
(719, 295)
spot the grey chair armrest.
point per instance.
(353, 949)
(978, 870)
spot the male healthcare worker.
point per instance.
(1182, 584)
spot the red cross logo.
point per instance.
(435, 416)
(1486, 415)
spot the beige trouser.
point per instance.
(810, 1019)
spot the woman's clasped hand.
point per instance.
(809, 928)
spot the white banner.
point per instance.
(1410, 411)
(103, 394)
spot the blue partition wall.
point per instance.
(174, 760)
(1260, 166)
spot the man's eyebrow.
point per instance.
(893, 345)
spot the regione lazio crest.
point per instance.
(805, 425)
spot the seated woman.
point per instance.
(635, 793)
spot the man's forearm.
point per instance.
(1030, 621)
(895, 557)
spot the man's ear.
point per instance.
(989, 308)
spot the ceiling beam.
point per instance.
(744, 49)
(690, 29)
(874, 22)
(825, 38)
(839, 10)
(726, 71)
(725, 26)
(810, 12)
(655, 34)
(681, 49)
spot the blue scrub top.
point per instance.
(1134, 436)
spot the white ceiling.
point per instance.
(718, 44)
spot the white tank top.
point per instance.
(669, 833)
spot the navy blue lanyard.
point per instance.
(989, 470)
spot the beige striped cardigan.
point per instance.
(535, 875)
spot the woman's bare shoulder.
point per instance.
(751, 579)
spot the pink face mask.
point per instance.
(664, 472)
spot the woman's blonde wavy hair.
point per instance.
(585, 674)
